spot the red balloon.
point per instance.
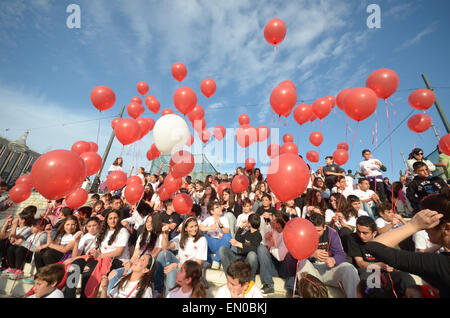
(240, 183)
(172, 184)
(321, 107)
(288, 138)
(262, 133)
(152, 104)
(151, 123)
(219, 132)
(179, 71)
(20, 192)
(77, 198)
(25, 179)
(81, 147)
(116, 180)
(250, 163)
(136, 99)
(287, 113)
(288, 176)
(163, 194)
(134, 192)
(384, 82)
(93, 162)
(444, 144)
(135, 110)
(184, 99)
(289, 147)
(153, 153)
(340, 97)
(331, 99)
(343, 145)
(94, 146)
(313, 117)
(316, 138)
(182, 163)
(127, 131)
(246, 135)
(197, 113)
(283, 99)
(103, 97)
(182, 203)
(302, 113)
(58, 173)
(115, 121)
(340, 156)
(244, 119)
(134, 179)
(166, 111)
(222, 186)
(360, 103)
(288, 83)
(208, 87)
(301, 238)
(190, 141)
(419, 123)
(312, 156)
(142, 88)
(421, 99)
(273, 150)
(144, 125)
(199, 125)
(275, 31)
(205, 135)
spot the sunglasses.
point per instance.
(420, 153)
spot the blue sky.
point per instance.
(47, 70)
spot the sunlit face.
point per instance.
(246, 208)
(320, 230)
(70, 226)
(148, 223)
(262, 187)
(113, 220)
(147, 189)
(98, 208)
(364, 233)
(181, 277)
(152, 179)
(419, 155)
(423, 172)
(226, 196)
(140, 266)
(329, 161)
(198, 187)
(356, 205)
(318, 196)
(333, 202)
(367, 155)
(319, 182)
(119, 161)
(235, 287)
(257, 173)
(290, 203)
(116, 204)
(387, 215)
(216, 210)
(265, 202)
(92, 227)
(42, 288)
(208, 190)
(364, 185)
(192, 228)
(342, 184)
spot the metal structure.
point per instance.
(202, 166)
(438, 105)
(16, 158)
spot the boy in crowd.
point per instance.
(244, 245)
(171, 218)
(423, 185)
(369, 199)
(388, 219)
(372, 169)
(342, 187)
(331, 171)
(239, 282)
(46, 280)
(275, 259)
(328, 261)
(266, 210)
(367, 264)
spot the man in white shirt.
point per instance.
(368, 198)
(274, 259)
(371, 168)
(342, 187)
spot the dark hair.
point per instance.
(95, 196)
(364, 151)
(317, 219)
(212, 196)
(60, 231)
(196, 209)
(367, 292)
(28, 214)
(329, 157)
(367, 221)
(312, 201)
(246, 201)
(254, 220)
(167, 203)
(144, 209)
(385, 206)
(419, 164)
(281, 218)
(212, 205)
(116, 162)
(396, 187)
(439, 203)
(352, 198)
(310, 286)
(51, 274)
(339, 178)
(361, 180)
(193, 271)
(184, 236)
(415, 151)
(148, 195)
(91, 219)
(341, 202)
(240, 269)
(151, 237)
(41, 223)
(231, 200)
(66, 211)
(266, 195)
(145, 281)
(104, 229)
(108, 196)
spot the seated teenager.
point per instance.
(46, 280)
(369, 198)
(388, 219)
(189, 283)
(171, 218)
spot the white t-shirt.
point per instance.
(86, 243)
(254, 292)
(127, 289)
(157, 243)
(364, 195)
(241, 218)
(347, 191)
(115, 168)
(154, 186)
(178, 293)
(120, 241)
(421, 240)
(135, 219)
(371, 167)
(25, 232)
(67, 238)
(192, 250)
(35, 240)
(279, 250)
(54, 294)
(328, 213)
(218, 233)
(382, 223)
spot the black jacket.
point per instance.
(420, 188)
(250, 241)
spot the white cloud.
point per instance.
(418, 37)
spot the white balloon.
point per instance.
(170, 133)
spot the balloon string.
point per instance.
(354, 136)
(346, 128)
(98, 130)
(389, 126)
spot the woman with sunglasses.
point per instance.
(417, 155)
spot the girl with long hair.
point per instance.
(188, 283)
(315, 203)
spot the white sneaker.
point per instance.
(215, 265)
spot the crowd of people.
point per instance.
(372, 236)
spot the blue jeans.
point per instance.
(115, 279)
(214, 245)
(227, 255)
(164, 259)
(270, 267)
(368, 209)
